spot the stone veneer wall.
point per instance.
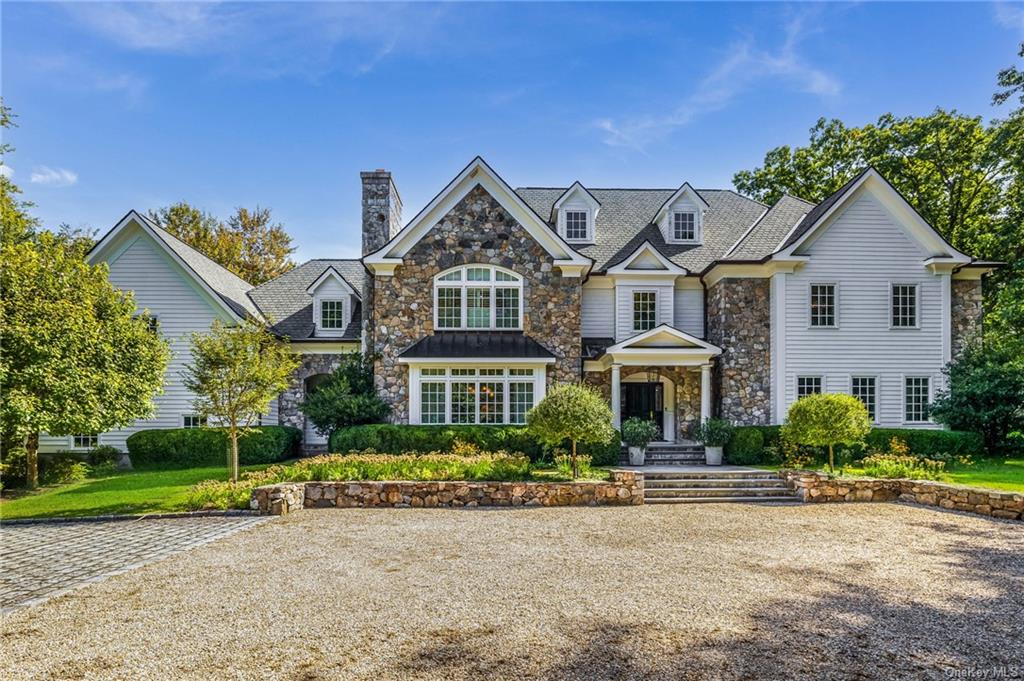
(292, 397)
(687, 385)
(624, 488)
(815, 487)
(382, 220)
(967, 311)
(739, 322)
(477, 230)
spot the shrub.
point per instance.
(12, 467)
(103, 454)
(896, 466)
(637, 432)
(193, 447)
(61, 468)
(929, 444)
(346, 397)
(826, 420)
(713, 432)
(573, 412)
(746, 447)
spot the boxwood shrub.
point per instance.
(400, 439)
(193, 447)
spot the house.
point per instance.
(678, 304)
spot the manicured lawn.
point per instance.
(152, 491)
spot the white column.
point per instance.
(616, 396)
(705, 392)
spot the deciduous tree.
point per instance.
(826, 420)
(572, 412)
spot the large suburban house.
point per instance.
(678, 304)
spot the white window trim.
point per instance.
(463, 285)
(903, 398)
(672, 226)
(632, 308)
(878, 392)
(184, 416)
(917, 305)
(563, 224)
(835, 304)
(346, 316)
(796, 384)
(416, 379)
(73, 447)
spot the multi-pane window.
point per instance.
(684, 226)
(807, 385)
(904, 305)
(916, 393)
(152, 322)
(576, 225)
(823, 305)
(645, 310)
(486, 395)
(85, 441)
(193, 421)
(865, 389)
(478, 297)
(332, 314)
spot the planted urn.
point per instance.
(637, 433)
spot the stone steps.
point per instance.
(681, 492)
(711, 483)
(669, 455)
(721, 500)
(715, 486)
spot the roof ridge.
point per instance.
(196, 251)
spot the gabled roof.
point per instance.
(821, 209)
(666, 266)
(478, 173)
(678, 194)
(664, 337)
(765, 235)
(331, 273)
(223, 285)
(574, 188)
(287, 303)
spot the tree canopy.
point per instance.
(346, 397)
(250, 243)
(826, 420)
(572, 412)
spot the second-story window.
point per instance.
(478, 297)
(332, 314)
(904, 306)
(576, 225)
(823, 305)
(684, 226)
(645, 310)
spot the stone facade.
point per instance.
(687, 391)
(739, 322)
(477, 230)
(290, 399)
(815, 487)
(966, 315)
(382, 220)
(624, 488)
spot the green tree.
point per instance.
(346, 397)
(572, 412)
(826, 420)
(1011, 80)
(235, 372)
(250, 243)
(76, 359)
(985, 394)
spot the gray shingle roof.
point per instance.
(289, 308)
(768, 233)
(624, 223)
(231, 288)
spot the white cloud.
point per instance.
(54, 177)
(745, 67)
(6, 171)
(81, 75)
(1010, 15)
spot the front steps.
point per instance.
(715, 486)
(669, 455)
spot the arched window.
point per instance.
(478, 297)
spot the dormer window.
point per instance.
(575, 213)
(332, 314)
(576, 225)
(684, 226)
(333, 300)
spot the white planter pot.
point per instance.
(713, 456)
(637, 455)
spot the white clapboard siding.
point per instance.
(624, 303)
(598, 312)
(689, 312)
(863, 252)
(160, 286)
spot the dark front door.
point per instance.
(643, 400)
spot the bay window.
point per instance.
(478, 297)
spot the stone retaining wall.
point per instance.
(624, 488)
(815, 487)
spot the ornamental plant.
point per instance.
(346, 397)
(713, 432)
(573, 412)
(826, 420)
(638, 432)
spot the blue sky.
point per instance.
(139, 105)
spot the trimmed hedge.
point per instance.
(399, 439)
(192, 447)
(751, 445)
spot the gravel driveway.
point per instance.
(698, 591)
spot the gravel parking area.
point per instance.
(674, 592)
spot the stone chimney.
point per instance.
(382, 209)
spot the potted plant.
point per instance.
(637, 433)
(714, 434)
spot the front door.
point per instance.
(643, 400)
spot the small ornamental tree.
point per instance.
(984, 394)
(571, 412)
(235, 372)
(826, 420)
(346, 397)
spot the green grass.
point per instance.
(1003, 474)
(145, 491)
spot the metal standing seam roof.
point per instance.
(477, 344)
(288, 307)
